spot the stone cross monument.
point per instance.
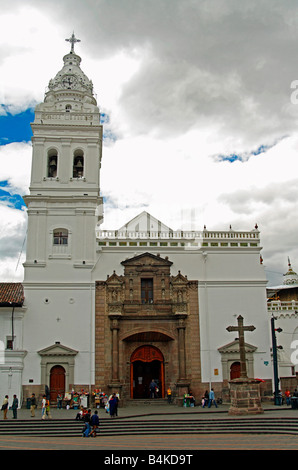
(244, 391)
(241, 329)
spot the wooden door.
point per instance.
(57, 382)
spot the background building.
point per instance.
(283, 306)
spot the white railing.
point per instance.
(279, 306)
(215, 238)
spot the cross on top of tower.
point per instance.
(72, 40)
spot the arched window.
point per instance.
(60, 237)
(52, 163)
(78, 164)
(68, 108)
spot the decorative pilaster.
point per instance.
(183, 383)
(115, 385)
(115, 349)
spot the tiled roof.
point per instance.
(11, 293)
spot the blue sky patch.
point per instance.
(16, 127)
(13, 200)
(243, 157)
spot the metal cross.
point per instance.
(241, 328)
(73, 40)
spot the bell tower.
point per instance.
(64, 204)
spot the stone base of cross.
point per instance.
(245, 397)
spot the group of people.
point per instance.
(91, 427)
(287, 395)
(14, 406)
(111, 406)
(208, 399)
(45, 406)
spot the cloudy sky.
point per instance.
(200, 99)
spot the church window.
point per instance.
(147, 291)
(68, 108)
(78, 164)
(52, 164)
(9, 342)
(60, 237)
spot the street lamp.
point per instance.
(275, 364)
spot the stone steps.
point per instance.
(167, 425)
(146, 401)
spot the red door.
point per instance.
(235, 370)
(57, 382)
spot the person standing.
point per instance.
(14, 407)
(43, 407)
(94, 423)
(212, 399)
(33, 405)
(59, 401)
(48, 410)
(205, 399)
(152, 389)
(169, 395)
(117, 397)
(87, 419)
(5, 407)
(288, 396)
(113, 405)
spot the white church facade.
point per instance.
(111, 309)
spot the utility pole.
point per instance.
(275, 363)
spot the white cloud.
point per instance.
(12, 243)
(15, 166)
(181, 84)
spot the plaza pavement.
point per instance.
(141, 445)
(149, 411)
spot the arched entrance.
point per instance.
(57, 382)
(235, 371)
(146, 363)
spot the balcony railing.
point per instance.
(191, 238)
(278, 306)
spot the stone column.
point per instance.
(183, 383)
(115, 349)
(181, 350)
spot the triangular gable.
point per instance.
(147, 258)
(145, 222)
(114, 279)
(57, 349)
(179, 279)
(234, 347)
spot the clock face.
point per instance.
(69, 81)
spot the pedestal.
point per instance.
(245, 397)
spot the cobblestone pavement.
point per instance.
(159, 443)
(179, 443)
